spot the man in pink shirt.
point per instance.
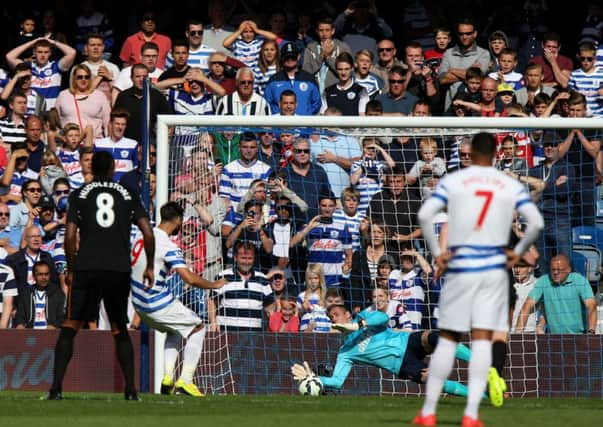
(130, 51)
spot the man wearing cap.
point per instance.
(130, 51)
(291, 77)
(243, 101)
(319, 57)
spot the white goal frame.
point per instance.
(359, 123)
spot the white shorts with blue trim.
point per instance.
(475, 300)
(174, 318)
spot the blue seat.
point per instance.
(588, 242)
(579, 263)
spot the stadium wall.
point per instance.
(560, 365)
(27, 358)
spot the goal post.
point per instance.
(525, 366)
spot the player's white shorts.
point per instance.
(477, 300)
(174, 318)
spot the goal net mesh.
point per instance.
(364, 186)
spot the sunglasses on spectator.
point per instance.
(465, 155)
(394, 81)
(465, 33)
(586, 58)
(245, 82)
(548, 145)
(35, 189)
(385, 49)
(6, 214)
(61, 192)
(22, 159)
(302, 150)
(82, 77)
(196, 33)
(277, 276)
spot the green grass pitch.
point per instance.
(109, 410)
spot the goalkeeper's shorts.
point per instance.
(414, 359)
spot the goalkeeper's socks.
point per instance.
(463, 352)
(456, 388)
(170, 354)
(192, 354)
(440, 366)
(125, 355)
(62, 355)
(499, 355)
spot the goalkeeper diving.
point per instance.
(370, 341)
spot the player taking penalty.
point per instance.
(481, 203)
(158, 308)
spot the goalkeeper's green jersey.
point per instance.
(376, 345)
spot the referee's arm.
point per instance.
(144, 225)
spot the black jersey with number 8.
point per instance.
(104, 212)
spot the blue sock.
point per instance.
(456, 388)
(463, 352)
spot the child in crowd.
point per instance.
(362, 64)
(350, 199)
(366, 175)
(497, 42)
(428, 168)
(311, 302)
(505, 94)
(398, 319)
(285, 318)
(433, 57)
(267, 66)
(506, 72)
(406, 284)
(68, 154)
(247, 41)
(470, 87)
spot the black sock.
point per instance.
(125, 354)
(62, 355)
(499, 355)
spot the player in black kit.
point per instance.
(99, 267)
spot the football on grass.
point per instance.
(311, 386)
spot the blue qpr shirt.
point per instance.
(376, 345)
(327, 244)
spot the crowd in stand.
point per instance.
(296, 220)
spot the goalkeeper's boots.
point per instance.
(167, 385)
(188, 388)
(426, 421)
(471, 422)
(496, 388)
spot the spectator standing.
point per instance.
(9, 292)
(422, 83)
(386, 60)
(149, 54)
(21, 82)
(131, 100)
(241, 303)
(12, 127)
(82, 104)
(290, 77)
(46, 74)
(244, 101)
(246, 42)
(89, 22)
(223, 69)
(285, 318)
(269, 63)
(130, 51)
(533, 86)
(363, 62)
(588, 79)
(320, 56)
(556, 67)
(104, 73)
(121, 148)
(565, 296)
(345, 96)
(218, 29)
(198, 53)
(16, 174)
(397, 101)
(524, 283)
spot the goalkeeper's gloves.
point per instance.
(301, 372)
(349, 327)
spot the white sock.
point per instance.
(479, 365)
(440, 366)
(172, 344)
(192, 354)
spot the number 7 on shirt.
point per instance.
(487, 195)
